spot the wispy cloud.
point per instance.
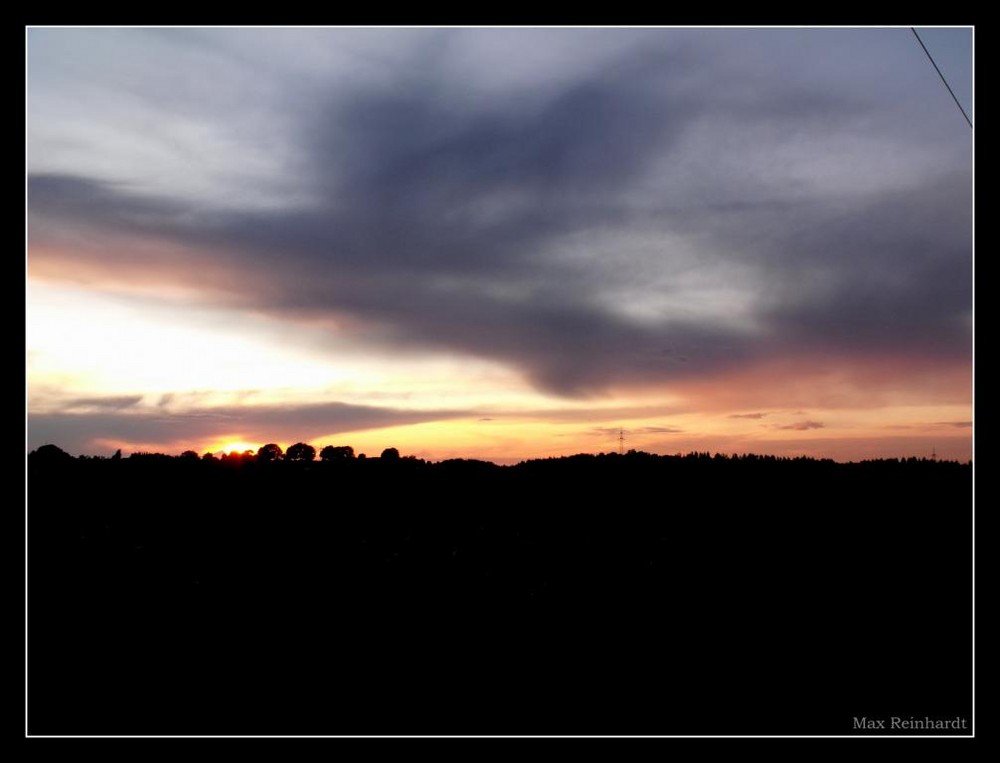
(114, 403)
(637, 430)
(77, 431)
(801, 426)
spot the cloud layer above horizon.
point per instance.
(605, 215)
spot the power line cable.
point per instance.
(931, 58)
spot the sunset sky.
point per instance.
(500, 243)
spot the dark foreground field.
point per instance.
(593, 595)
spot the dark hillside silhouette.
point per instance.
(595, 594)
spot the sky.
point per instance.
(500, 243)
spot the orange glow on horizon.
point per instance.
(127, 366)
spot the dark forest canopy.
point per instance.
(305, 454)
(590, 594)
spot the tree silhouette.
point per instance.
(50, 454)
(390, 454)
(336, 452)
(189, 455)
(270, 452)
(300, 451)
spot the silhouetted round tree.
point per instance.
(208, 456)
(270, 452)
(390, 454)
(300, 451)
(50, 454)
(336, 452)
(189, 455)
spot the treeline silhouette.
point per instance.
(272, 593)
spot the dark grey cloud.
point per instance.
(637, 430)
(801, 426)
(114, 403)
(934, 425)
(693, 203)
(75, 432)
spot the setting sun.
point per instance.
(235, 446)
